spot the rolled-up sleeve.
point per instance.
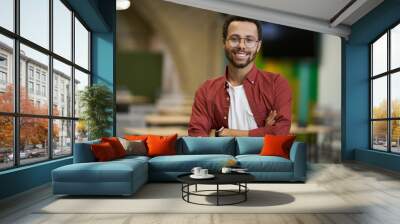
(283, 106)
(200, 124)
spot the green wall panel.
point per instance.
(140, 73)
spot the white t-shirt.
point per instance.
(240, 115)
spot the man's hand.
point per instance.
(223, 132)
(271, 118)
(226, 132)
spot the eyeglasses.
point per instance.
(249, 42)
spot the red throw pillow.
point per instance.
(161, 145)
(277, 145)
(116, 145)
(103, 151)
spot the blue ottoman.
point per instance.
(118, 177)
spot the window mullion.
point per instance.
(389, 106)
(50, 81)
(371, 140)
(16, 84)
(73, 82)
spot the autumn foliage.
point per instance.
(33, 131)
(380, 127)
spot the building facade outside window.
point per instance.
(43, 86)
(385, 91)
(3, 72)
(30, 87)
(3, 78)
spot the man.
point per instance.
(244, 101)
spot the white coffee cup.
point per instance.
(226, 170)
(196, 170)
(203, 172)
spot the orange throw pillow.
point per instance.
(103, 152)
(116, 145)
(277, 145)
(161, 145)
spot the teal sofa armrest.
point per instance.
(83, 152)
(298, 155)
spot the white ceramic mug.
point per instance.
(226, 170)
(203, 172)
(196, 170)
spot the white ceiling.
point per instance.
(314, 15)
(321, 9)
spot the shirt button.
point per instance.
(225, 118)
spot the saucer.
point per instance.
(208, 176)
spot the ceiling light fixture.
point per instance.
(123, 4)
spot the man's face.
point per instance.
(239, 35)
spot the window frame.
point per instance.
(16, 114)
(388, 74)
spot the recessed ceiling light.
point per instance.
(123, 4)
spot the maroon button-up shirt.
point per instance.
(265, 92)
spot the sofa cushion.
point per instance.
(161, 145)
(185, 163)
(111, 171)
(103, 152)
(249, 145)
(277, 145)
(116, 145)
(257, 163)
(207, 145)
(132, 158)
(134, 147)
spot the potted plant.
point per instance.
(96, 103)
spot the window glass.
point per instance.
(379, 135)
(395, 47)
(34, 21)
(7, 14)
(81, 131)
(81, 82)
(62, 91)
(39, 62)
(379, 98)
(62, 29)
(81, 45)
(395, 136)
(379, 56)
(395, 95)
(6, 142)
(62, 137)
(34, 81)
(6, 74)
(33, 140)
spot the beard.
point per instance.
(229, 56)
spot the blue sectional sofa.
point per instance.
(125, 176)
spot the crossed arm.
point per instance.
(277, 122)
(225, 132)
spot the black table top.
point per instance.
(220, 178)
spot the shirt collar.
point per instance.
(250, 76)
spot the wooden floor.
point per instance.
(379, 189)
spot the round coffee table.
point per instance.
(238, 179)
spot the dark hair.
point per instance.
(231, 19)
